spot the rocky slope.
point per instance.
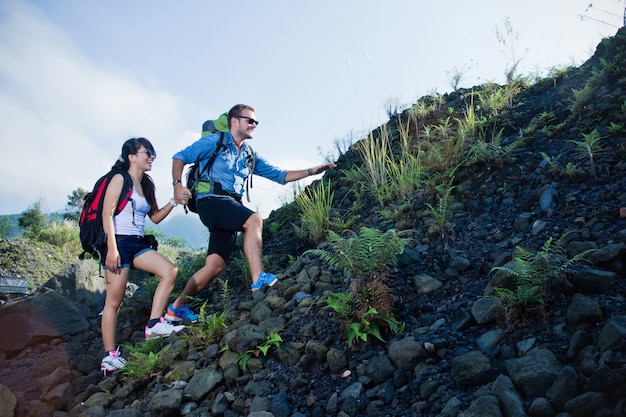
(457, 355)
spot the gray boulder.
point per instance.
(43, 316)
(83, 284)
(535, 372)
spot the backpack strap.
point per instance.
(251, 162)
(127, 191)
(221, 144)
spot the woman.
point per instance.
(126, 247)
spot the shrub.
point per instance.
(535, 273)
(63, 234)
(371, 250)
(366, 309)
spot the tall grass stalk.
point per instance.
(408, 177)
(315, 204)
(376, 156)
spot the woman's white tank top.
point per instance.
(132, 220)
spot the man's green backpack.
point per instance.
(218, 125)
(193, 175)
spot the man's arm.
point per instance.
(181, 193)
(296, 175)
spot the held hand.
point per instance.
(322, 168)
(181, 194)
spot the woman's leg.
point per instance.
(153, 262)
(115, 290)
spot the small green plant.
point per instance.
(493, 98)
(571, 169)
(364, 327)
(549, 130)
(389, 173)
(394, 213)
(145, 358)
(535, 273)
(529, 130)
(614, 128)
(546, 118)
(208, 330)
(361, 254)
(240, 263)
(490, 152)
(551, 161)
(470, 123)
(523, 296)
(224, 289)
(589, 148)
(456, 75)
(273, 339)
(544, 267)
(581, 97)
(365, 310)
(442, 211)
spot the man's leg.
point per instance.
(213, 266)
(253, 245)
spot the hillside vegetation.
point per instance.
(464, 259)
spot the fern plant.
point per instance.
(370, 250)
(534, 273)
(614, 128)
(208, 330)
(365, 310)
(544, 267)
(367, 307)
(582, 96)
(442, 211)
(523, 295)
(145, 357)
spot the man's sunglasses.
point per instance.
(250, 120)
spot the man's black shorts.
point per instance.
(224, 217)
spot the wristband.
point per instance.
(174, 182)
(309, 171)
(173, 202)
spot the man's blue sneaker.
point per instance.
(264, 279)
(177, 315)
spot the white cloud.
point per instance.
(64, 119)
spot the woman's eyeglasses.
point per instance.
(250, 120)
(151, 154)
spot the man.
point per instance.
(218, 196)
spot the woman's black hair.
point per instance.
(131, 147)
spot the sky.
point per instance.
(78, 78)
